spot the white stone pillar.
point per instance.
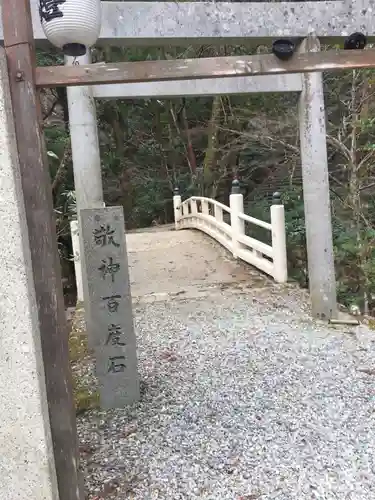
(237, 224)
(321, 266)
(85, 142)
(280, 265)
(86, 157)
(27, 468)
(177, 208)
(74, 231)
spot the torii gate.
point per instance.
(125, 23)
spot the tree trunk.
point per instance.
(210, 158)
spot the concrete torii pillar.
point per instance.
(321, 265)
(86, 159)
(85, 142)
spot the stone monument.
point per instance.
(109, 309)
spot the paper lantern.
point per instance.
(71, 25)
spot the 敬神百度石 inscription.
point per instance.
(110, 308)
(115, 335)
(110, 268)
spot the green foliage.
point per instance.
(154, 203)
(352, 274)
(355, 263)
(295, 230)
(51, 58)
(296, 234)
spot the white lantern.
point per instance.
(71, 25)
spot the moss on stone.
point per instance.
(86, 397)
(85, 400)
(78, 348)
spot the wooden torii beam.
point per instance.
(214, 67)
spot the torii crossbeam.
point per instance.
(195, 69)
(185, 23)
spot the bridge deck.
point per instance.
(187, 263)
(244, 396)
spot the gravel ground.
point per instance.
(243, 398)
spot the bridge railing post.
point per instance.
(205, 207)
(237, 224)
(280, 272)
(218, 213)
(177, 207)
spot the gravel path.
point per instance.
(244, 398)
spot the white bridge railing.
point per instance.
(227, 226)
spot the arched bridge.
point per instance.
(187, 262)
